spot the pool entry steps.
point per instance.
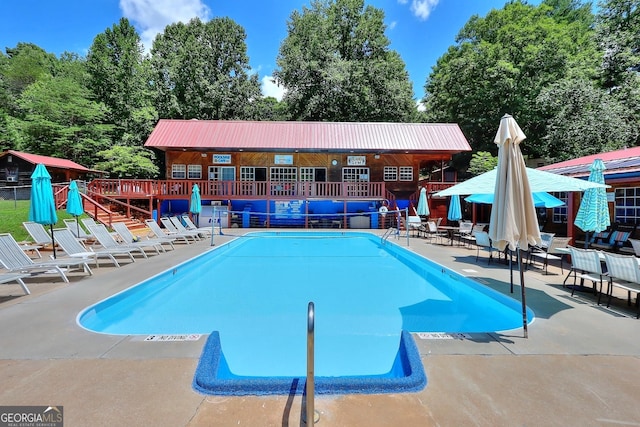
(213, 376)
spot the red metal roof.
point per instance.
(53, 162)
(619, 161)
(307, 136)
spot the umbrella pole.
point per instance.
(53, 242)
(524, 302)
(77, 228)
(511, 268)
(586, 240)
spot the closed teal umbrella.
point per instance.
(423, 206)
(593, 214)
(74, 204)
(455, 212)
(196, 204)
(43, 207)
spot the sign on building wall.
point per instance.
(283, 159)
(356, 160)
(222, 159)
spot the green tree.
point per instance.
(59, 118)
(201, 70)
(121, 79)
(128, 162)
(502, 62)
(482, 162)
(336, 65)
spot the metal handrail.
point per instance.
(310, 363)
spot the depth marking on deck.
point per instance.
(469, 270)
(441, 336)
(190, 337)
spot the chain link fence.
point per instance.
(15, 193)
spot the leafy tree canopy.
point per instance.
(336, 65)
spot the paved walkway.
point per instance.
(580, 365)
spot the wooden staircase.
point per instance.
(132, 224)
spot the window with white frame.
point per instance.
(222, 173)
(283, 174)
(627, 208)
(390, 173)
(560, 212)
(247, 173)
(194, 172)
(406, 173)
(355, 174)
(178, 171)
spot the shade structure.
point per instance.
(540, 200)
(538, 181)
(74, 203)
(196, 205)
(423, 205)
(593, 213)
(514, 223)
(455, 211)
(43, 207)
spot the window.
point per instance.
(313, 174)
(222, 173)
(355, 174)
(627, 208)
(247, 173)
(560, 213)
(194, 172)
(406, 173)
(286, 174)
(390, 173)
(178, 171)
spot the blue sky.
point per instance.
(419, 30)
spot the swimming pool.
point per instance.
(254, 292)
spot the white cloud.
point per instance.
(422, 8)
(392, 25)
(270, 88)
(150, 17)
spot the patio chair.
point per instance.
(432, 231)
(464, 232)
(107, 240)
(159, 232)
(549, 251)
(13, 258)
(38, 233)
(171, 226)
(483, 243)
(624, 273)
(70, 245)
(190, 226)
(179, 226)
(6, 278)
(127, 236)
(586, 264)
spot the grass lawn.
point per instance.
(14, 213)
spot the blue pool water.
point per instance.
(255, 290)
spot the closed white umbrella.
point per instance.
(514, 222)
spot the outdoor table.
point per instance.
(450, 229)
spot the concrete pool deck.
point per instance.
(580, 365)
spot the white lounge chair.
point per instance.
(6, 278)
(483, 242)
(70, 245)
(180, 228)
(169, 225)
(77, 230)
(107, 241)
(164, 233)
(190, 226)
(127, 236)
(13, 258)
(586, 264)
(38, 233)
(550, 252)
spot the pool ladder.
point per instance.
(387, 233)
(311, 415)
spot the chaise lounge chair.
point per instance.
(13, 258)
(180, 228)
(38, 233)
(69, 244)
(6, 278)
(108, 242)
(161, 234)
(169, 225)
(127, 236)
(190, 226)
(77, 230)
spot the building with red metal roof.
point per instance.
(16, 168)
